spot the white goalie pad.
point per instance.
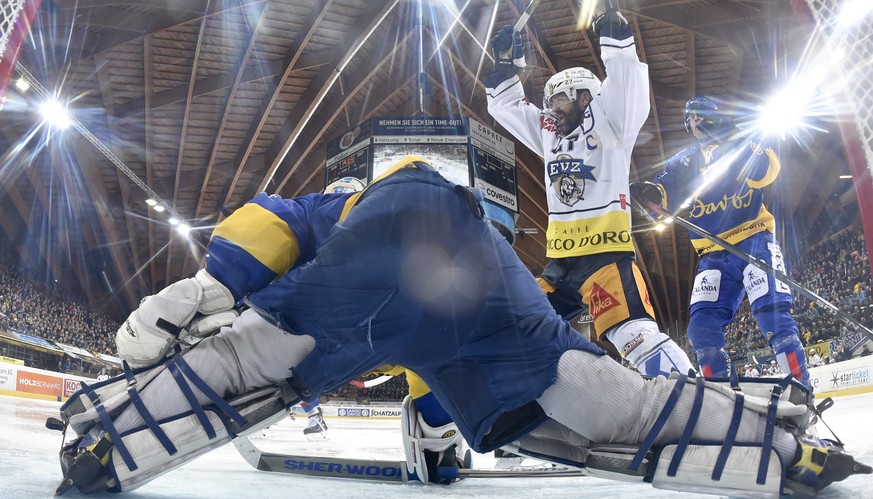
(419, 437)
(738, 478)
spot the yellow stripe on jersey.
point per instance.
(763, 222)
(417, 386)
(588, 236)
(772, 171)
(405, 162)
(262, 234)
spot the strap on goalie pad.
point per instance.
(79, 412)
(257, 409)
(736, 476)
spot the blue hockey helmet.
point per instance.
(714, 122)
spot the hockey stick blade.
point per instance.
(364, 469)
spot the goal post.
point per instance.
(16, 17)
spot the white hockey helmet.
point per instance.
(570, 81)
(344, 185)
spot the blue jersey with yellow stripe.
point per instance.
(268, 236)
(720, 186)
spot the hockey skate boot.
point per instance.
(820, 463)
(317, 429)
(507, 460)
(84, 463)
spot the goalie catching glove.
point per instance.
(432, 454)
(183, 312)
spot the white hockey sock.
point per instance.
(250, 354)
(606, 403)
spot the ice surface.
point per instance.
(29, 463)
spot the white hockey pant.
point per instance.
(650, 351)
(679, 433)
(162, 417)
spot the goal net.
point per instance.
(848, 32)
(16, 17)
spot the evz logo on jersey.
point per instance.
(568, 176)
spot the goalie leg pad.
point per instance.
(432, 454)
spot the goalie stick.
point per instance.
(365, 469)
(782, 276)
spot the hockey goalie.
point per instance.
(410, 272)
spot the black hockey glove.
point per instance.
(613, 25)
(643, 194)
(508, 50)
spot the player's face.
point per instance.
(569, 113)
(693, 122)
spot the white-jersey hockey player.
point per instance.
(585, 133)
(408, 272)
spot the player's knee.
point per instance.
(705, 328)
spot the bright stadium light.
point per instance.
(173, 221)
(184, 229)
(55, 114)
(159, 208)
(151, 202)
(853, 11)
(22, 84)
(784, 112)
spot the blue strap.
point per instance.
(109, 427)
(770, 428)
(144, 412)
(689, 429)
(734, 376)
(216, 399)
(192, 400)
(659, 423)
(729, 439)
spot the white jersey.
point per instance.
(586, 174)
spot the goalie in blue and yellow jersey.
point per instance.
(409, 272)
(719, 182)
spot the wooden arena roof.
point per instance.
(209, 102)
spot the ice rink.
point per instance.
(30, 469)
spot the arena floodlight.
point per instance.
(151, 202)
(184, 229)
(159, 208)
(55, 114)
(785, 111)
(22, 84)
(853, 12)
(173, 221)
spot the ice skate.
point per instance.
(821, 462)
(317, 428)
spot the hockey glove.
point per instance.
(643, 194)
(152, 330)
(508, 50)
(612, 24)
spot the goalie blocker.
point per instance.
(99, 459)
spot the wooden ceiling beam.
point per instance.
(228, 102)
(301, 115)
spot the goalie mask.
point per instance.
(568, 85)
(345, 185)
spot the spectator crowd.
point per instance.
(837, 269)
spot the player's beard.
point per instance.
(570, 121)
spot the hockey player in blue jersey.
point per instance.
(718, 181)
(408, 272)
(585, 133)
